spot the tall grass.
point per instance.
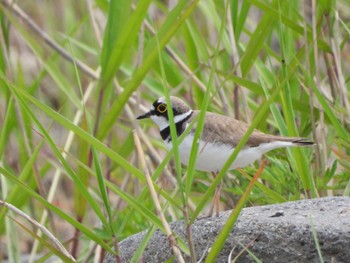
(75, 74)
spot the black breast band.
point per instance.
(165, 133)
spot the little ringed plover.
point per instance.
(220, 136)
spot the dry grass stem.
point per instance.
(172, 241)
(95, 27)
(58, 171)
(183, 65)
(11, 6)
(42, 228)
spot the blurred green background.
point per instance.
(74, 74)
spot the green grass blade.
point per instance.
(85, 230)
(141, 248)
(259, 116)
(121, 31)
(43, 241)
(273, 12)
(317, 243)
(231, 220)
(176, 18)
(81, 133)
(255, 44)
(64, 162)
(49, 65)
(339, 128)
(16, 196)
(7, 126)
(201, 118)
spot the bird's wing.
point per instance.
(220, 128)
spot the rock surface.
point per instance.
(273, 233)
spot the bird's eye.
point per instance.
(161, 108)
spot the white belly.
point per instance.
(212, 156)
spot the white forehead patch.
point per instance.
(162, 100)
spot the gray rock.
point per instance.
(273, 233)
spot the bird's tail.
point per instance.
(303, 142)
(297, 141)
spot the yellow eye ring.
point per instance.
(161, 108)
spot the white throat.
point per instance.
(163, 123)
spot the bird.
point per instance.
(220, 135)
